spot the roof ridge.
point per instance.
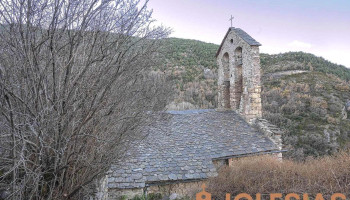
(242, 34)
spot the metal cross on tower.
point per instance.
(231, 19)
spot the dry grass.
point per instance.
(265, 174)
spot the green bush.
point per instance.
(150, 196)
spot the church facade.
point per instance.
(186, 148)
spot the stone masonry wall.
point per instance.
(116, 194)
(271, 131)
(250, 102)
(184, 189)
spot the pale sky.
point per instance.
(320, 27)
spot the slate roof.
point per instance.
(242, 34)
(183, 146)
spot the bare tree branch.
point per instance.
(76, 87)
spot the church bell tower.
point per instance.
(239, 86)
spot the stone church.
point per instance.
(189, 147)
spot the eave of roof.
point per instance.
(242, 34)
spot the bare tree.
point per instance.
(75, 90)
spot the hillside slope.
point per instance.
(301, 61)
(310, 106)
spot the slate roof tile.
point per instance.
(183, 146)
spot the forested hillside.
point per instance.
(312, 107)
(301, 61)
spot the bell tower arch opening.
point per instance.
(226, 82)
(238, 88)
